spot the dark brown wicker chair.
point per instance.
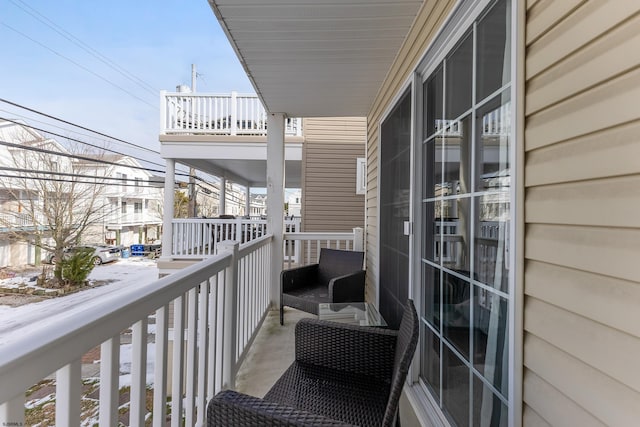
(337, 277)
(342, 375)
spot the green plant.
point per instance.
(77, 267)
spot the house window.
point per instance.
(466, 217)
(137, 207)
(138, 182)
(124, 182)
(123, 207)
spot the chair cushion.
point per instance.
(353, 398)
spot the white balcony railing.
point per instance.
(210, 311)
(18, 220)
(198, 237)
(217, 114)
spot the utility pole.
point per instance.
(192, 172)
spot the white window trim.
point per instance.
(361, 175)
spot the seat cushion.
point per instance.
(306, 298)
(353, 398)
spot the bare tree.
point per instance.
(51, 194)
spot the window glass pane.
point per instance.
(432, 167)
(431, 292)
(491, 256)
(430, 363)
(457, 157)
(456, 305)
(432, 95)
(455, 387)
(456, 234)
(493, 51)
(493, 138)
(431, 229)
(459, 78)
(488, 409)
(490, 338)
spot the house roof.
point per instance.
(316, 58)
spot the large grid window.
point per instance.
(465, 214)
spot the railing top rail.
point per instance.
(210, 94)
(318, 236)
(254, 244)
(30, 357)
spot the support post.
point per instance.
(167, 217)
(358, 239)
(275, 199)
(223, 196)
(230, 316)
(247, 207)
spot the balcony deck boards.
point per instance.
(271, 353)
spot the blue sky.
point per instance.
(156, 41)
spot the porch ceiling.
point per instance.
(316, 58)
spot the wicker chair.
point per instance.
(342, 375)
(337, 277)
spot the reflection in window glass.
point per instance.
(456, 234)
(459, 79)
(456, 312)
(493, 57)
(430, 362)
(433, 104)
(455, 387)
(492, 240)
(457, 158)
(493, 131)
(490, 339)
(488, 409)
(431, 291)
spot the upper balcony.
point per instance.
(233, 114)
(225, 135)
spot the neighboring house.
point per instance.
(22, 220)
(132, 202)
(502, 147)
(294, 203)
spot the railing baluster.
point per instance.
(12, 411)
(68, 394)
(177, 365)
(138, 372)
(109, 381)
(203, 347)
(160, 368)
(192, 335)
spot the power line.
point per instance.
(73, 156)
(78, 175)
(76, 125)
(80, 141)
(78, 42)
(79, 65)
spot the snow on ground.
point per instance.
(124, 273)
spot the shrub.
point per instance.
(77, 267)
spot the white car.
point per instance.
(102, 253)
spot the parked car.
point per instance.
(102, 253)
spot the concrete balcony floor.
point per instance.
(271, 353)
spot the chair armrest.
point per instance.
(233, 409)
(298, 277)
(347, 288)
(362, 350)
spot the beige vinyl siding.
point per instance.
(582, 227)
(425, 27)
(330, 150)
